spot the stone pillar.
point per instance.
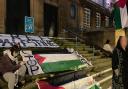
(36, 10)
(2, 15)
(81, 16)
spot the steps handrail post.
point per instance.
(64, 34)
(93, 52)
(76, 42)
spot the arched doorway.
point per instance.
(50, 20)
(16, 10)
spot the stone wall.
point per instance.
(36, 10)
(100, 37)
(64, 17)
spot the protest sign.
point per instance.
(26, 41)
(29, 24)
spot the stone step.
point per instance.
(87, 54)
(101, 60)
(90, 49)
(107, 84)
(102, 76)
(78, 43)
(93, 57)
(82, 52)
(101, 65)
(60, 43)
(70, 42)
(75, 45)
(81, 47)
(73, 41)
(91, 53)
(94, 70)
(94, 50)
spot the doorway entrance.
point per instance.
(50, 20)
(16, 10)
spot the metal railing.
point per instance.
(77, 39)
(84, 40)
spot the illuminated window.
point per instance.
(98, 20)
(87, 14)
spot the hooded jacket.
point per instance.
(7, 65)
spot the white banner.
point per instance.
(26, 41)
(31, 63)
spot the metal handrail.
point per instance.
(61, 38)
(84, 39)
(75, 34)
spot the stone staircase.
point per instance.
(99, 61)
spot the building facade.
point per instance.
(96, 21)
(48, 14)
(51, 17)
(95, 14)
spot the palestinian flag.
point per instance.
(51, 63)
(83, 83)
(120, 14)
(45, 85)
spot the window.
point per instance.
(106, 21)
(86, 20)
(73, 11)
(107, 3)
(98, 20)
(100, 2)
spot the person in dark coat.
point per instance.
(7, 69)
(7, 65)
(120, 64)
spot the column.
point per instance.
(36, 10)
(2, 15)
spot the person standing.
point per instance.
(120, 64)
